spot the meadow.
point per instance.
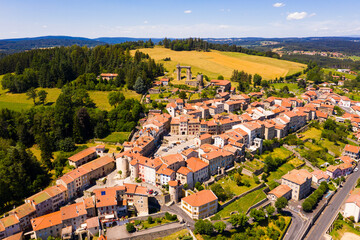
(19, 101)
(217, 63)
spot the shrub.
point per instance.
(150, 220)
(130, 227)
(204, 227)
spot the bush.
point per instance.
(130, 227)
(137, 222)
(256, 179)
(204, 227)
(198, 186)
(150, 220)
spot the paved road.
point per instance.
(178, 211)
(332, 209)
(297, 227)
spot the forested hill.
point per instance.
(23, 44)
(9, 46)
(58, 66)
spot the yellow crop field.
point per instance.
(217, 63)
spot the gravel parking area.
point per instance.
(183, 142)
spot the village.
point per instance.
(176, 157)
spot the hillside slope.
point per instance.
(215, 63)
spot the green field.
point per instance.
(293, 87)
(19, 101)
(116, 137)
(243, 204)
(281, 171)
(280, 152)
(234, 188)
(217, 63)
(334, 72)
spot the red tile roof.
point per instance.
(200, 198)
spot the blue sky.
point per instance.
(195, 18)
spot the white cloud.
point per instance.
(146, 22)
(187, 11)
(313, 14)
(277, 5)
(44, 26)
(296, 15)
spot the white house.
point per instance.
(352, 206)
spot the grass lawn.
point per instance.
(285, 168)
(339, 234)
(116, 137)
(157, 96)
(293, 87)
(312, 146)
(280, 152)
(349, 76)
(19, 101)
(243, 204)
(215, 63)
(176, 235)
(296, 162)
(312, 133)
(234, 188)
(254, 165)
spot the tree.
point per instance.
(220, 77)
(140, 86)
(307, 206)
(115, 98)
(204, 227)
(301, 83)
(32, 94)
(257, 79)
(198, 186)
(238, 220)
(150, 220)
(238, 179)
(281, 203)
(270, 210)
(257, 215)
(67, 145)
(42, 94)
(130, 227)
(220, 226)
(182, 95)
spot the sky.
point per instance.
(179, 19)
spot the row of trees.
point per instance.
(310, 202)
(203, 45)
(58, 66)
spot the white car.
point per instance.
(356, 169)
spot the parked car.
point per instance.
(151, 191)
(356, 169)
(155, 193)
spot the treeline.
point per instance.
(202, 45)
(73, 119)
(57, 67)
(311, 202)
(327, 62)
(20, 173)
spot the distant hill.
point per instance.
(348, 45)
(23, 44)
(115, 40)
